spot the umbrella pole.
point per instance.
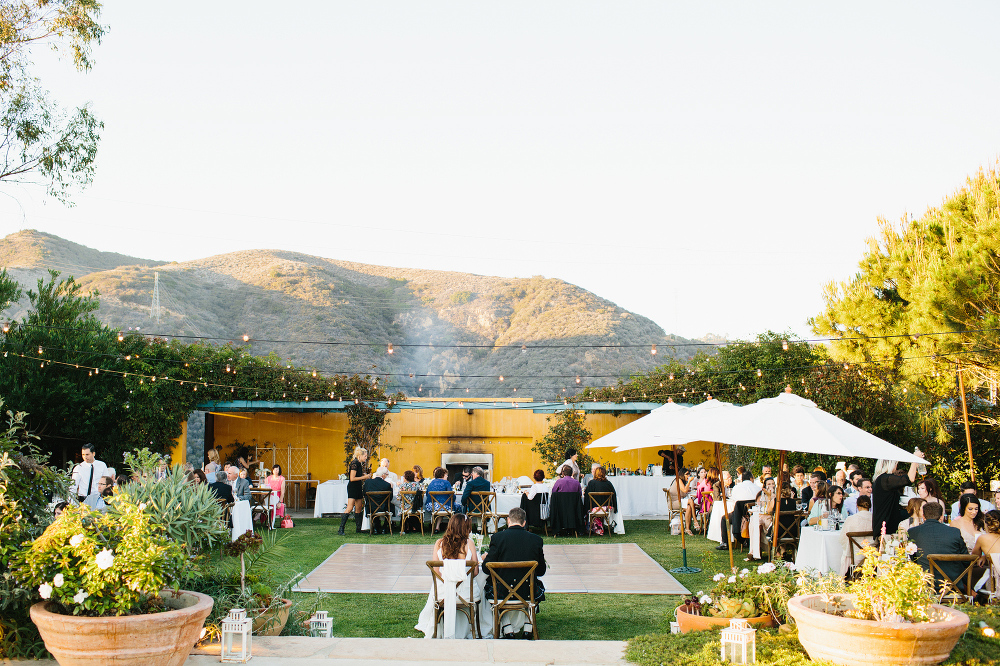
(725, 510)
(965, 417)
(777, 504)
(684, 553)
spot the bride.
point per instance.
(454, 545)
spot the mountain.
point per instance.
(453, 334)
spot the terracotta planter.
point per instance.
(690, 622)
(157, 639)
(271, 622)
(844, 640)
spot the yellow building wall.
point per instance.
(178, 452)
(422, 436)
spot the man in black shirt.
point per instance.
(668, 460)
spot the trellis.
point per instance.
(294, 461)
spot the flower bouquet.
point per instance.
(752, 593)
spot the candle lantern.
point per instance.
(236, 636)
(675, 627)
(739, 642)
(320, 625)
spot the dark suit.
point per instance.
(377, 485)
(477, 485)
(516, 544)
(222, 491)
(935, 538)
(241, 488)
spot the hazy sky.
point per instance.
(708, 165)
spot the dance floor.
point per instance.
(384, 568)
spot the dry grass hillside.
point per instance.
(450, 331)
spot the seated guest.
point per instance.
(765, 473)
(765, 504)
(392, 476)
(437, 485)
(988, 546)
(105, 489)
(915, 508)
(59, 508)
(566, 482)
(799, 482)
(516, 544)
(928, 490)
(378, 484)
(410, 484)
(589, 477)
(238, 480)
(477, 484)
(969, 488)
(418, 474)
(859, 521)
(810, 491)
(935, 538)
(746, 489)
(970, 519)
(685, 487)
(864, 487)
(600, 484)
(221, 488)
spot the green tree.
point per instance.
(10, 290)
(566, 431)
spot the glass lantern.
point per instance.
(237, 638)
(320, 626)
(739, 642)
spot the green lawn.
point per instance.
(562, 617)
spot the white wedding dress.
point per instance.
(425, 622)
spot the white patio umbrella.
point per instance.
(699, 423)
(639, 430)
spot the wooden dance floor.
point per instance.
(384, 568)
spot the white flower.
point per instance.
(45, 590)
(58, 580)
(142, 507)
(80, 596)
(705, 599)
(744, 572)
(719, 576)
(76, 540)
(105, 559)
(790, 566)
(800, 581)
(732, 579)
(701, 592)
(911, 548)
(766, 568)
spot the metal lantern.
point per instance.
(236, 626)
(320, 625)
(739, 642)
(675, 627)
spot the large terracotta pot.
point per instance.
(689, 622)
(844, 640)
(156, 639)
(271, 622)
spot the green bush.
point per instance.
(462, 297)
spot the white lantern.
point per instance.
(675, 627)
(739, 642)
(320, 625)
(235, 626)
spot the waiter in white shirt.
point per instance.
(88, 473)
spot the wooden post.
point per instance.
(777, 504)
(965, 416)
(725, 509)
(684, 554)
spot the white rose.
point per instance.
(80, 596)
(142, 507)
(719, 576)
(45, 590)
(766, 568)
(744, 572)
(732, 579)
(58, 580)
(105, 559)
(76, 540)
(790, 566)
(705, 599)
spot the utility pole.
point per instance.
(154, 308)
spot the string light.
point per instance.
(784, 345)
(121, 337)
(653, 350)
(390, 348)
(246, 338)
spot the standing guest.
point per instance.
(213, 462)
(915, 507)
(221, 488)
(516, 544)
(418, 474)
(438, 484)
(378, 484)
(928, 490)
(969, 488)
(851, 503)
(668, 460)
(478, 484)
(566, 482)
(358, 474)
(600, 484)
(571, 456)
(277, 483)
(859, 521)
(240, 483)
(970, 519)
(87, 474)
(887, 488)
(935, 538)
(799, 482)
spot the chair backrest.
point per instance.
(510, 594)
(481, 502)
(435, 567)
(379, 501)
(789, 525)
(601, 502)
(442, 501)
(951, 587)
(408, 502)
(858, 540)
(994, 563)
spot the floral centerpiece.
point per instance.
(482, 543)
(764, 590)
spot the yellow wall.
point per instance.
(178, 453)
(423, 435)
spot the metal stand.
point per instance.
(684, 553)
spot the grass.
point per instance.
(563, 616)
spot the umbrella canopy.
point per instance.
(698, 423)
(640, 430)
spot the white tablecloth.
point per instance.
(331, 497)
(641, 495)
(819, 550)
(242, 521)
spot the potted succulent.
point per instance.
(759, 595)
(889, 610)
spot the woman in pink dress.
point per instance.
(277, 483)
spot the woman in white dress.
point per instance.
(455, 545)
(970, 520)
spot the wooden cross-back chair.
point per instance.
(856, 540)
(410, 508)
(950, 589)
(379, 505)
(484, 507)
(789, 526)
(465, 601)
(442, 506)
(599, 506)
(508, 598)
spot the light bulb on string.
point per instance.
(121, 337)
(578, 379)
(759, 373)
(39, 349)
(501, 376)
(390, 350)
(524, 349)
(784, 345)
(246, 338)
(653, 350)
(671, 376)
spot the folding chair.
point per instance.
(442, 503)
(463, 603)
(410, 508)
(512, 601)
(947, 587)
(789, 530)
(599, 506)
(856, 540)
(481, 508)
(378, 504)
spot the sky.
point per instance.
(708, 165)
